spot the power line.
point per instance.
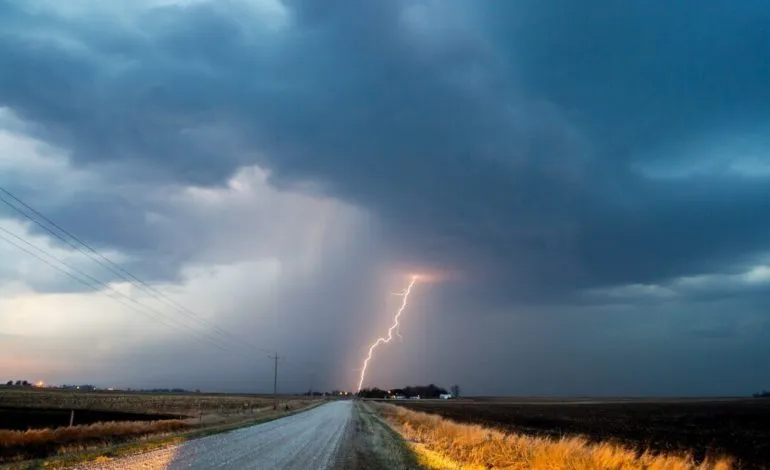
(68, 242)
(96, 285)
(114, 268)
(94, 255)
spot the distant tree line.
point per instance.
(334, 393)
(91, 388)
(762, 394)
(372, 393)
(18, 383)
(423, 391)
(84, 387)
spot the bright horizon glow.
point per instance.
(393, 327)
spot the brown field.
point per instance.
(442, 443)
(183, 404)
(739, 428)
(189, 413)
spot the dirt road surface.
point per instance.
(309, 440)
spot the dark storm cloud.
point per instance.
(642, 74)
(502, 139)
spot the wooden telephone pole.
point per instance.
(275, 383)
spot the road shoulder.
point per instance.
(373, 445)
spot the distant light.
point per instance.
(40, 384)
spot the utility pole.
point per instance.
(312, 382)
(275, 383)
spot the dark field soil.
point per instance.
(34, 418)
(737, 428)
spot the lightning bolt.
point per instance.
(394, 327)
(398, 329)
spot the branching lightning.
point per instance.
(393, 328)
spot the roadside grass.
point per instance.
(440, 443)
(35, 443)
(106, 449)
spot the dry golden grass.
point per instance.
(38, 442)
(109, 430)
(472, 446)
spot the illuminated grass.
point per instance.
(440, 443)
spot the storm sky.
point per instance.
(587, 183)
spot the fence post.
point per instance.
(72, 417)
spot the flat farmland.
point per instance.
(184, 404)
(739, 428)
(34, 423)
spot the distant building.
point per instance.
(446, 396)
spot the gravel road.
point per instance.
(308, 440)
